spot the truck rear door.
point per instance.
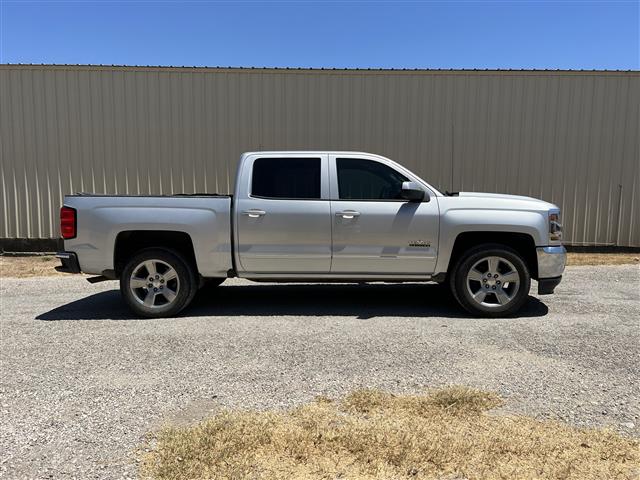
(283, 217)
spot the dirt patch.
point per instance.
(445, 434)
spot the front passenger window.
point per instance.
(360, 179)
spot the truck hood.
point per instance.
(513, 200)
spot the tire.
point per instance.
(500, 294)
(158, 282)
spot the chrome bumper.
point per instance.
(551, 261)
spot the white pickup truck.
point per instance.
(316, 217)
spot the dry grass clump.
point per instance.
(455, 399)
(445, 434)
(602, 258)
(34, 266)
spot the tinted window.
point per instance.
(368, 180)
(286, 178)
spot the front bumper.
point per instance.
(69, 262)
(551, 263)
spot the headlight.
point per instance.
(555, 227)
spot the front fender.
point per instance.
(456, 221)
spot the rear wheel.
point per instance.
(491, 280)
(157, 283)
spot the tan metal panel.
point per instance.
(567, 137)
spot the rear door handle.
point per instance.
(254, 213)
(348, 214)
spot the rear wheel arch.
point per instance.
(129, 242)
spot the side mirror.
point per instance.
(413, 192)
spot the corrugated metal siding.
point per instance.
(567, 137)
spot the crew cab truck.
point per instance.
(316, 217)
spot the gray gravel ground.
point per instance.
(82, 381)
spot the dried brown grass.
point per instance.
(444, 434)
(602, 258)
(22, 267)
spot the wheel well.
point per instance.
(520, 242)
(129, 242)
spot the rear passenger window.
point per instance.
(293, 178)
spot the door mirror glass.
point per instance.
(411, 191)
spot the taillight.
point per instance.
(68, 222)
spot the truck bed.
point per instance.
(205, 218)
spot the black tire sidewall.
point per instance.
(459, 280)
(185, 277)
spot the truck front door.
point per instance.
(375, 230)
(283, 218)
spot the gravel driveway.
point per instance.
(82, 381)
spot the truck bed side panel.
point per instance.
(100, 219)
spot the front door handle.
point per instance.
(348, 214)
(254, 213)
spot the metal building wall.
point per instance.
(567, 137)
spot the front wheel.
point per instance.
(157, 283)
(491, 280)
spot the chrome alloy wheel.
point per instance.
(154, 284)
(493, 282)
